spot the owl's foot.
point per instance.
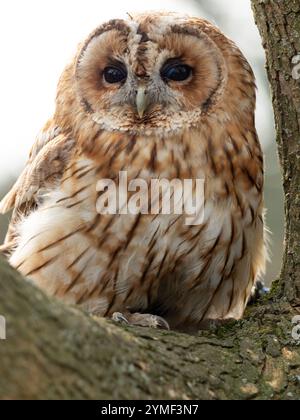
(258, 292)
(141, 320)
(120, 318)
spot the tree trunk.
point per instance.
(54, 351)
(279, 25)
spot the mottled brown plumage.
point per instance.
(151, 127)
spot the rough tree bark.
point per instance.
(279, 25)
(53, 351)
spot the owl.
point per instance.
(158, 96)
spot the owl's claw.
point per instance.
(120, 318)
(141, 320)
(150, 321)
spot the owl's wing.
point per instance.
(48, 158)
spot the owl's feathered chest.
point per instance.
(73, 241)
(227, 159)
(170, 156)
(231, 173)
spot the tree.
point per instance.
(53, 351)
(279, 25)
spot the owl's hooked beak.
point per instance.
(142, 101)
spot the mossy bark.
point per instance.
(54, 351)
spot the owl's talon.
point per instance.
(150, 321)
(141, 320)
(162, 323)
(120, 318)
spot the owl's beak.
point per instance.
(142, 101)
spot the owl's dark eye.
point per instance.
(115, 74)
(176, 72)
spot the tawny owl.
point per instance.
(159, 96)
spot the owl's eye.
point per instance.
(114, 74)
(176, 72)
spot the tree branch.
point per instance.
(56, 352)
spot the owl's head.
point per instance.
(152, 72)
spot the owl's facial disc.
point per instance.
(130, 76)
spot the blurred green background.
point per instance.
(234, 17)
